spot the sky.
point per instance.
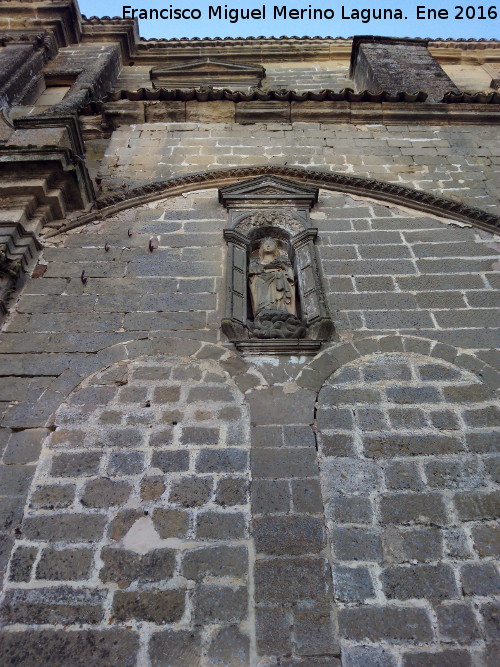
(477, 20)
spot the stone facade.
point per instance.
(168, 498)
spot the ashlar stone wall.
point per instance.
(458, 161)
(95, 370)
(408, 450)
(138, 517)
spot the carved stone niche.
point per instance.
(275, 302)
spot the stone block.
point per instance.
(352, 584)
(166, 394)
(273, 576)
(165, 112)
(152, 488)
(171, 461)
(336, 444)
(314, 634)
(53, 496)
(21, 563)
(191, 491)
(306, 496)
(65, 527)
(435, 582)
(183, 648)
(270, 496)
(298, 435)
(356, 544)
(15, 479)
(104, 492)
(24, 446)
(480, 579)
(491, 613)
(345, 476)
(223, 561)
(61, 604)
(229, 646)
(477, 505)
(409, 508)
(403, 475)
(486, 538)
(415, 544)
(482, 418)
(273, 628)
(220, 525)
(65, 564)
(349, 509)
(154, 606)
(124, 567)
(220, 604)
(198, 436)
(457, 622)
(126, 463)
(211, 112)
(232, 491)
(453, 657)
(296, 462)
(382, 623)
(222, 460)
(364, 656)
(293, 535)
(170, 522)
(78, 648)
(455, 474)
(75, 465)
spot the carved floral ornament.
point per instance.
(275, 302)
(270, 219)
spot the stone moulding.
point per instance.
(385, 192)
(208, 70)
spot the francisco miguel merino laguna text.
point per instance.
(234, 14)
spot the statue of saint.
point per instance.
(271, 279)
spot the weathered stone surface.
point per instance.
(232, 491)
(229, 646)
(64, 564)
(295, 534)
(170, 523)
(272, 578)
(53, 496)
(457, 622)
(273, 629)
(22, 563)
(223, 561)
(124, 567)
(154, 606)
(220, 525)
(105, 493)
(404, 582)
(352, 584)
(181, 647)
(220, 604)
(61, 647)
(54, 605)
(382, 623)
(67, 527)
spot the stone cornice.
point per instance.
(385, 192)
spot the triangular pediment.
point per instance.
(207, 71)
(270, 188)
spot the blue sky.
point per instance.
(410, 26)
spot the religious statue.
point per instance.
(271, 279)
